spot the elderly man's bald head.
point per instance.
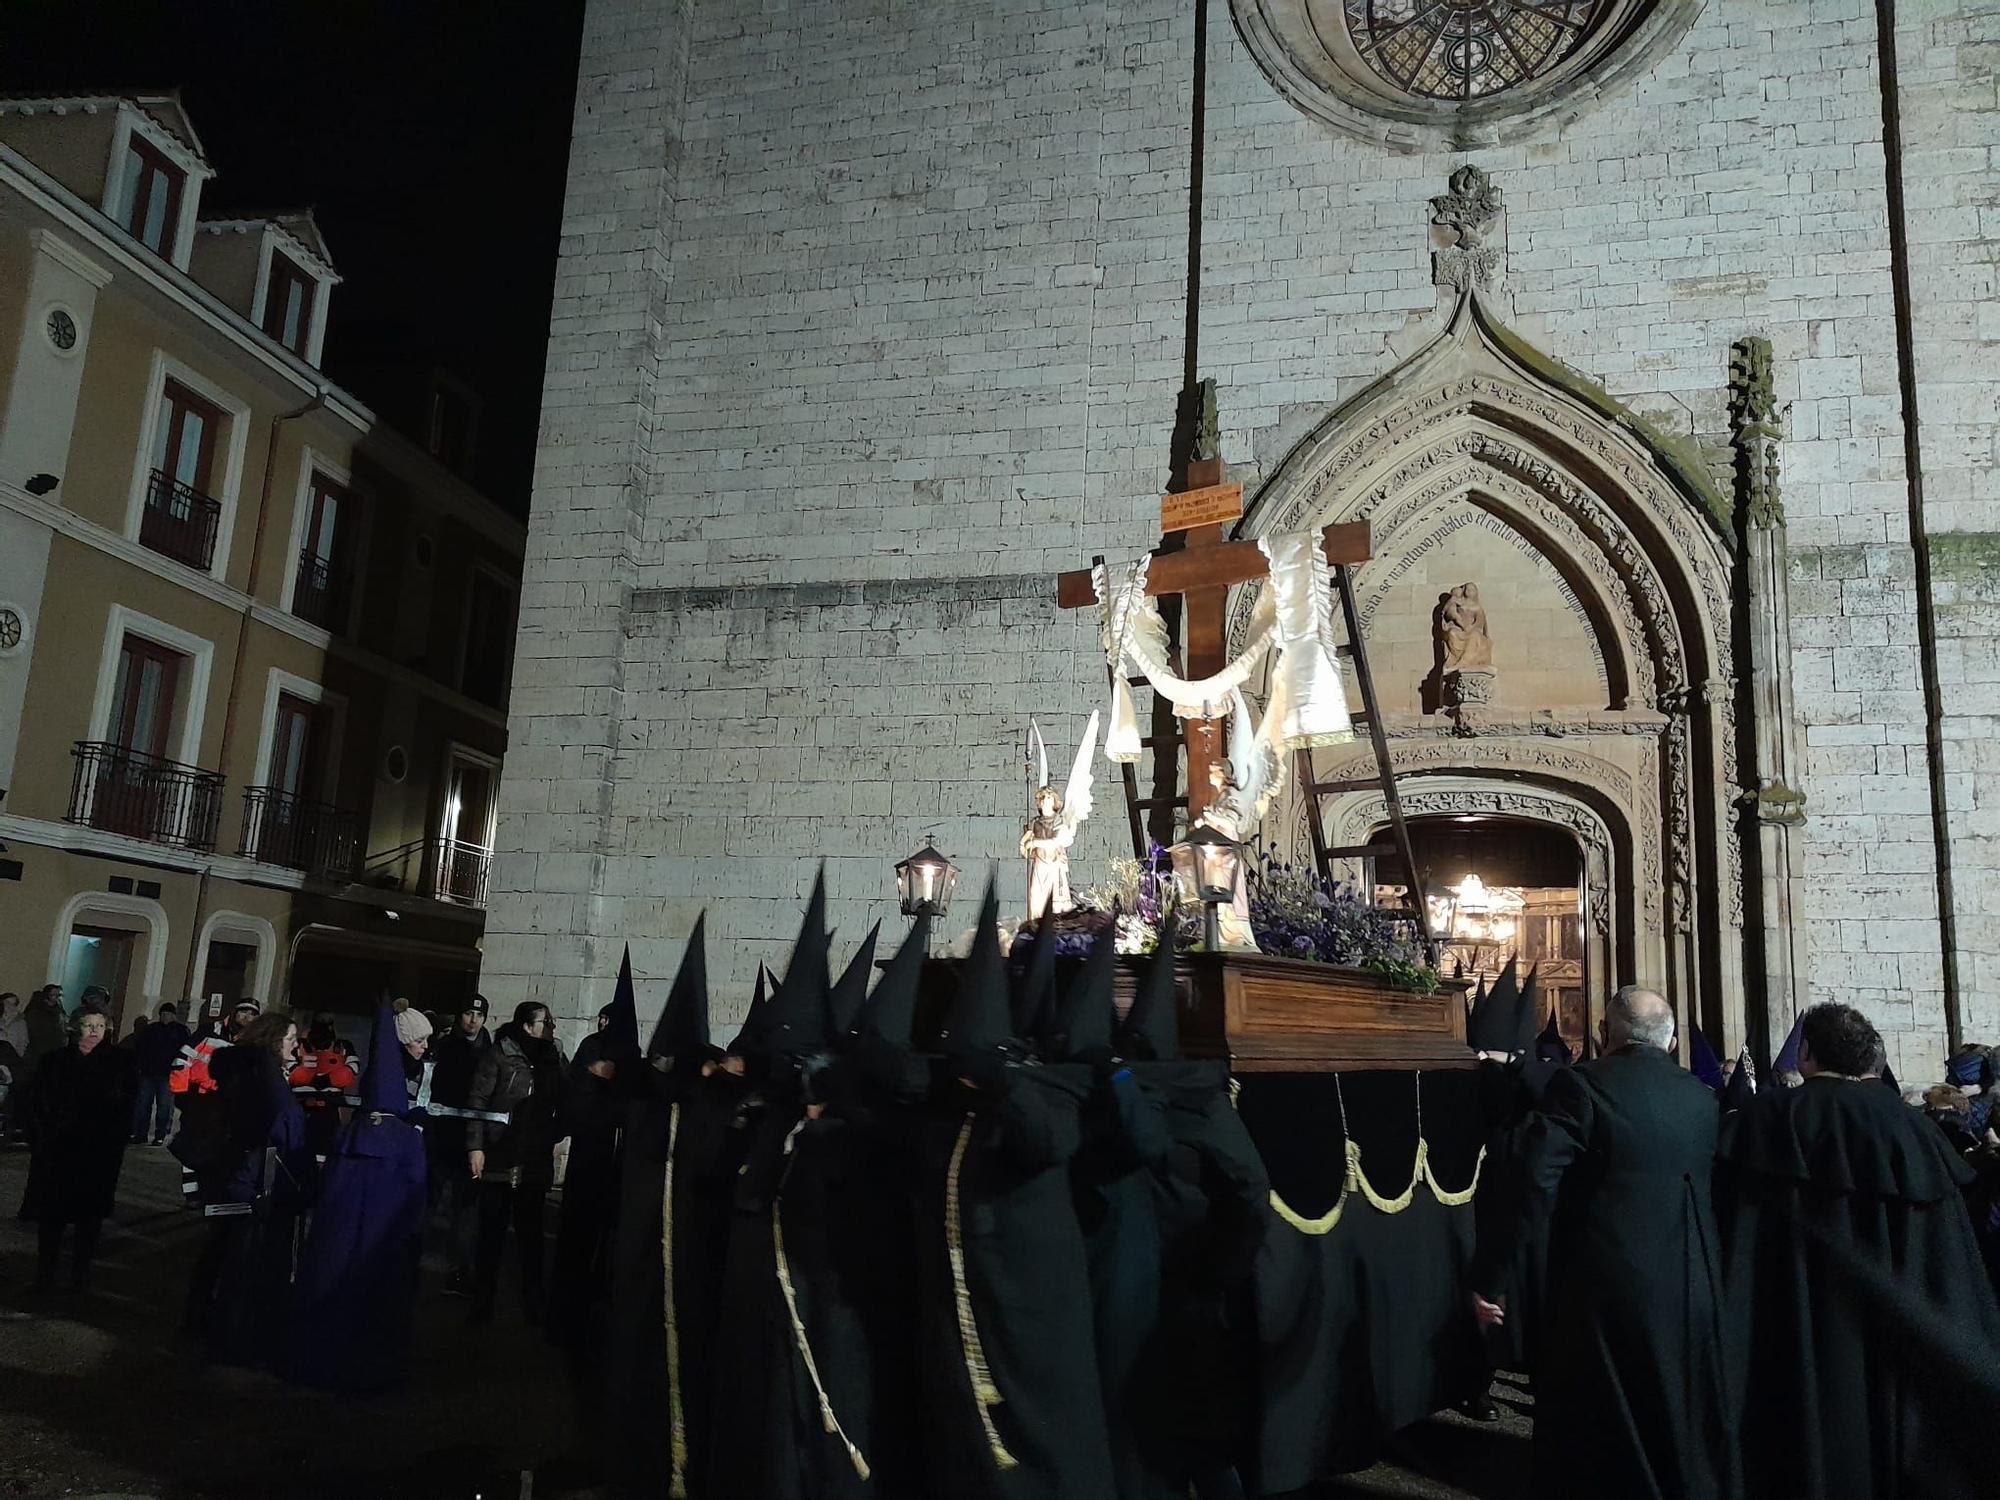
(1637, 1015)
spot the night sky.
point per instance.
(429, 136)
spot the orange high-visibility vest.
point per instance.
(190, 1072)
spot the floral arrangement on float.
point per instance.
(1295, 913)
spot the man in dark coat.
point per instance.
(82, 1109)
(510, 1140)
(1013, 1406)
(1630, 1393)
(157, 1047)
(457, 1054)
(1814, 1182)
(358, 1271)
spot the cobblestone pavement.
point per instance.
(99, 1397)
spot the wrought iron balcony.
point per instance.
(143, 796)
(315, 593)
(282, 829)
(443, 869)
(179, 521)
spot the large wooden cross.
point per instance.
(1201, 572)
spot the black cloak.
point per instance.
(1840, 1399)
(1630, 1395)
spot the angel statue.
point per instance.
(1052, 828)
(1244, 785)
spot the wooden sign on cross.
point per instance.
(1201, 572)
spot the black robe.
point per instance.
(1212, 1206)
(1842, 1396)
(1028, 1292)
(1509, 1095)
(1630, 1395)
(640, 1399)
(1123, 1136)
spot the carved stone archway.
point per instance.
(1482, 453)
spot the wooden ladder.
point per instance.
(1313, 789)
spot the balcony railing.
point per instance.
(282, 829)
(179, 521)
(143, 796)
(444, 869)
(314, 593)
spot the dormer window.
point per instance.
(152, 196)
(288, 303)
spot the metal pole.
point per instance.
(1211, 927)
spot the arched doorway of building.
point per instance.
(1504, 890)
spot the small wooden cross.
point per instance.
(1201, 572)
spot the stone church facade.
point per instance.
(1669, 324)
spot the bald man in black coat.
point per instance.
(1629, 1388)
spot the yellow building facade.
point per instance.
(254, 644)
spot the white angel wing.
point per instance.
(1041, 754)
(1076, 792)
(1255, 760)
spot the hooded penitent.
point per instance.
(1011, 1401)
(682, 1030)
(1492, 1025)
(1034, 992)
(667, 1218)
(1550, 1046)
(751, 1037)
(1152, 1031)
(1787, 1060)
(358, 1270)
(844, 1000)
(889, 1013)
(797, 1024)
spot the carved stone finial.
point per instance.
(1753, 433)
(1469, 210)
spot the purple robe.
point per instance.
(359, 1269)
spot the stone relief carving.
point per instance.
(1469, 678)
(1754, 433)
(1468, 211)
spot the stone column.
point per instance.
(551, 934)
(1773, 807)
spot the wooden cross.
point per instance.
(1201, 572)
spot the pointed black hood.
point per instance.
(979, 1021)
(621, 1035)
(682, 1030)
(1528, 1012)
(891, 1011)
(1550, 1046)
(1152, 1031)
(1089, 1012)
(1033, 1005)
(844, 1000)
(751, 1039)
(797, 1024)
(1494, 1019)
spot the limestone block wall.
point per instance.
(1948, 67)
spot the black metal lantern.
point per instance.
(1207, 866)
(925, 882)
